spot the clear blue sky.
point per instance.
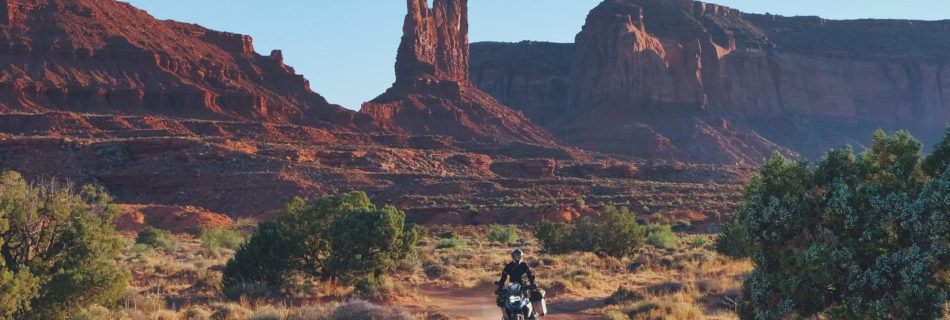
(346, 48)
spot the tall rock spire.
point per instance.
(434, 42)
(433, 94)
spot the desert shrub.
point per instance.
(854, 237)
(197, 313)
(579, 202)
(341, 237)
(622, 295)
(154, 237)
(731, 242)
(664, 288)
(359, 309)
(681, 226)
(585, 237)
(229, 311)
(619, 234)
(503, 234)
(435, 271)
(212, 240)
(58, 250)
(699, 241)
(455, 242)
(554, 237)
(662, 236)
(373, 287)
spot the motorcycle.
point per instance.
(517, 302)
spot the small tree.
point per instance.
(367, 242)
(58, 249)
(554, 237)
(619, 232)
(861, 237)
(343, 237)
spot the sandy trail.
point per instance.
(479, 304)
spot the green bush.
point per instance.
(335, 237)
(622, 295)
(58, 250)
(662, 236)
(618, 234)
(456, 242)
(212, 240)
(503, 234)
(854, 237)
(699, 241)
(554, 237)
(155, 237)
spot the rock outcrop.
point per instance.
(432, 94)
(109, 57)
(691, 81)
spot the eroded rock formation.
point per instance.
(109, 57)
(691, 81)
(432, 94)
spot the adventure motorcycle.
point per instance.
(517, 302)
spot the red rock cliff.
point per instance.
(434, 42)
(103, 56)
(432, 94)
(691, 81)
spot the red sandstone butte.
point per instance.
(691, 81)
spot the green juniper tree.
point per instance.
(58, 250)
(855, 237)
(335, 237)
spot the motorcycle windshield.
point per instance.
(514, 289)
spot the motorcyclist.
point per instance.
(515, 271)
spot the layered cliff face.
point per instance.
(432, 94)
(535, 76)
(109, 57)
(678, 79)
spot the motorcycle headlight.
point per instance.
(514, 299)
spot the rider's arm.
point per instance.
(504, 275)
(527, 270)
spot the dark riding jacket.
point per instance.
(516, 271)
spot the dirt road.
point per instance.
(479, 304)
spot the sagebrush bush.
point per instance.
(212, 240)
(456, 242)
(503, 234)
(662, 236)
(155, 237)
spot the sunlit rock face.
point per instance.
(686, 80)
(103, 56)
